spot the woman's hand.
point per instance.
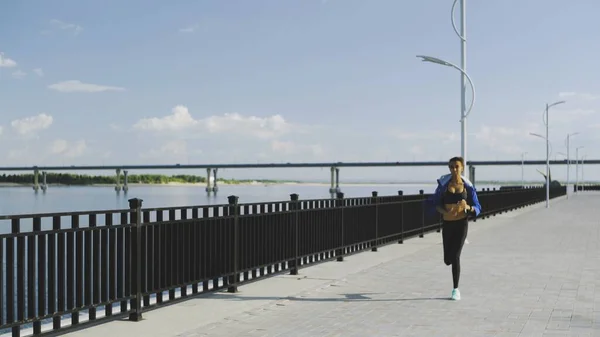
(462, 206)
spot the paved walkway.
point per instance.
(532, 272)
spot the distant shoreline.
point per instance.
(177, 184)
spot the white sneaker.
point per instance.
(455, 294)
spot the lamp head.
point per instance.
(556, 103)
(434, 60)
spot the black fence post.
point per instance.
(295, 207)
(375, 200)
(235, 279)
(401, 195)
(340, 203)
(135, 205)
(422, 213)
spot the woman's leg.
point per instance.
(447, 242)
(458, 241)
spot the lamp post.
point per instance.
(577, 167)
(462, 35)
(463, 118)
(569, 159)
(522, 169)
(548, 151)
(542, 137)
(582, 167)
(548, 106)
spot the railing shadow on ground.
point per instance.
(102, 264)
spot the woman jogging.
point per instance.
(455, 198)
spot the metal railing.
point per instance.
(88, 266)
(586, 187)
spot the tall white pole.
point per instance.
(547, 162)
(522, 169)
(576, 169)
(568, 164)
(463, 66)
(582, 167)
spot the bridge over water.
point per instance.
(213, 168)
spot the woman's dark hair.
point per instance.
(459, 159)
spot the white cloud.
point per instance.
(565, 116)
(5, 62)
(115, 127)
(179, 119)
(233, 123)
(30, 125)
(171, 149)
(78, 86)
(188, 29)
(264, 128)
(22, 153)
(19, 74)
(503, 139)
(416, 150)
(292, 148)
(438, 136)
(578, 95)
(68, 149)
(76, 29)
(39, 72)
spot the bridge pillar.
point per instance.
(215, 187)
(337, 180)
(125, 186)
(332, 187)
(472, 174)
(36, 184)
(208, 188)
(44, 184)
(118, 180)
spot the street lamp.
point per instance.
(577, 167)
(522, 169)
(464, 114)
(548, 106)
(569, 159)
(582, 167)
(462, 35)
(548, 151)
(542, 137)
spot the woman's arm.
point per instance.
(474, 205)
(441, 209)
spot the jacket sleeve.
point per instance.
(474, 201)
(433, 201)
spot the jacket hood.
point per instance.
(446, 178)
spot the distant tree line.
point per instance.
(83, 179)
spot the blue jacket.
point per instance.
(436, 198)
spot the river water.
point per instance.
(23, 200)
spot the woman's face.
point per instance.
(456, 168)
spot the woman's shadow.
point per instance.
(352, 297)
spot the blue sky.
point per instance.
(127, 82)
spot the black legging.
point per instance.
(454, 234)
